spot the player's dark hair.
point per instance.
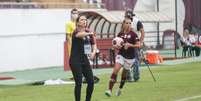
(122, 29)
(78, 18)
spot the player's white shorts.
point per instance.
(126, 63)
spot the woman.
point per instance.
(125, 56)
(83, 47)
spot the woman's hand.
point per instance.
(89, 33)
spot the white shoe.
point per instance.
(118, 92)
(108, 93)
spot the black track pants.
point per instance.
(79, 70)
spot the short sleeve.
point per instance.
(70, 27)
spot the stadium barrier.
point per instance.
(45, 5)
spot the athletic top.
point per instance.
(132, 38)
(78, 48)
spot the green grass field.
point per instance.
(173, 83)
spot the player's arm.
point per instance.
(68, 36)
(134, 45)
(137, 44)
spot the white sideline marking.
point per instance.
(189, 98)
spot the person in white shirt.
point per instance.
(187, 41)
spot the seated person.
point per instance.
(195, 44)
(186, 43)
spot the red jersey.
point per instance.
(132, 38)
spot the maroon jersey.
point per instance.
(132, 38)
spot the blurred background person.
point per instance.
(70, 27)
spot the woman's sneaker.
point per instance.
(108, 93)
(118, 92)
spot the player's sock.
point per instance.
(118, 92)
(112, 81)
(123, 80)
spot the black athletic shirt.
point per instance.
(77, 51)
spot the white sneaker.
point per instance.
(118, 92)
(108, 93)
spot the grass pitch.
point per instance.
(173, 83)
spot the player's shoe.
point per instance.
(108, 93)
(118, 92)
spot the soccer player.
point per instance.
(125, 56)
(138, 28)
(83, 46)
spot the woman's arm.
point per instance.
(83, 34)
(94, 49)
(136, 45)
